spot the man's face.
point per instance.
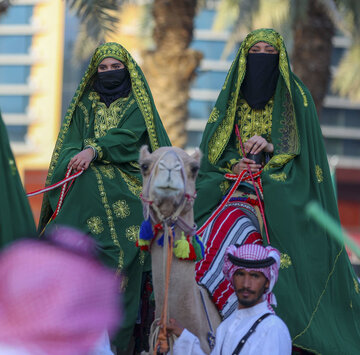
(249, 287)
(263, 47)
(110, 64)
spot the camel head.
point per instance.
(169, 175)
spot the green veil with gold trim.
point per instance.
(16, 219)
(317, 291)
(104, 201)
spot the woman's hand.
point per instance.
(82, 160)
(256, 144)
(242, 165)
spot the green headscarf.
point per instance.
(16, 219)
(104, 201)
(318, 292)
(144, 100)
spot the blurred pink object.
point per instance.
(55, 297)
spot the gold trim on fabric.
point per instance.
(320, 297)
(121, 209)
(278, 161)
(275, 40)
(142, 256)
(95, 225)
(319, 174)
(222, 134)
(124, 283)
(279, 177)
(97, 148)
(139, 89)
(107, 118)
(12, 167)
(108, 212)
(132, 233)
(254, 122)
(133, 183)
(285, 261)
(214, 115)
(224, 186)
(356, 285)
(135, 165)
(107, 171)
(85, 113)
(302, 93)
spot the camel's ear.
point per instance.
(144, 152)
(197, 155)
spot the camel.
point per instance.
(169, 175)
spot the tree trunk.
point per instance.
(311, 56)
(4, 4)
(170, 67)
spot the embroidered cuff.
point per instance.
(97, 149)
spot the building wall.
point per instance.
(31, 57)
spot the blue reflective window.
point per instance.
(17, 15)
(14, 74)
(337, 54)
(193, 139)
(17, 133)
(14, 104)
(15, 44)
(340, 117)
(200, 109)
(210, 49)
(204, 19)
(348, 147)
(209, 80)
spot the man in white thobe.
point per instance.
(253, 329)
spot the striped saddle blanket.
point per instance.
(235, 224)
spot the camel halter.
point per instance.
(175, 218)
(159, 331)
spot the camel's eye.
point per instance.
(194, 169)
(144, 166)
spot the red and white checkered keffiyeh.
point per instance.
(55, 297)
(257, 253)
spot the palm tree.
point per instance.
(312, 25)
(4, 4)
(169, 66)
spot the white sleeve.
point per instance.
(102, 347)
(276, 338)
(187, 344)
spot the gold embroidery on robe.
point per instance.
(95, 225)
(121, 209)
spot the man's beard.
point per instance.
(250, 303)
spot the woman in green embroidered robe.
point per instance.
(16, 219)
(112, 114)
(317, 292)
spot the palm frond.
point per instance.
(99, 16)
(347, 78)
(84, 46)
(4, 4)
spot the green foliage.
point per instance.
(98, 16)
(347, 78)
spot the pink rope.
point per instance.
(67, 178)
(253, 181)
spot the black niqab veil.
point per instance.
(112, 84)
(262, 73)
